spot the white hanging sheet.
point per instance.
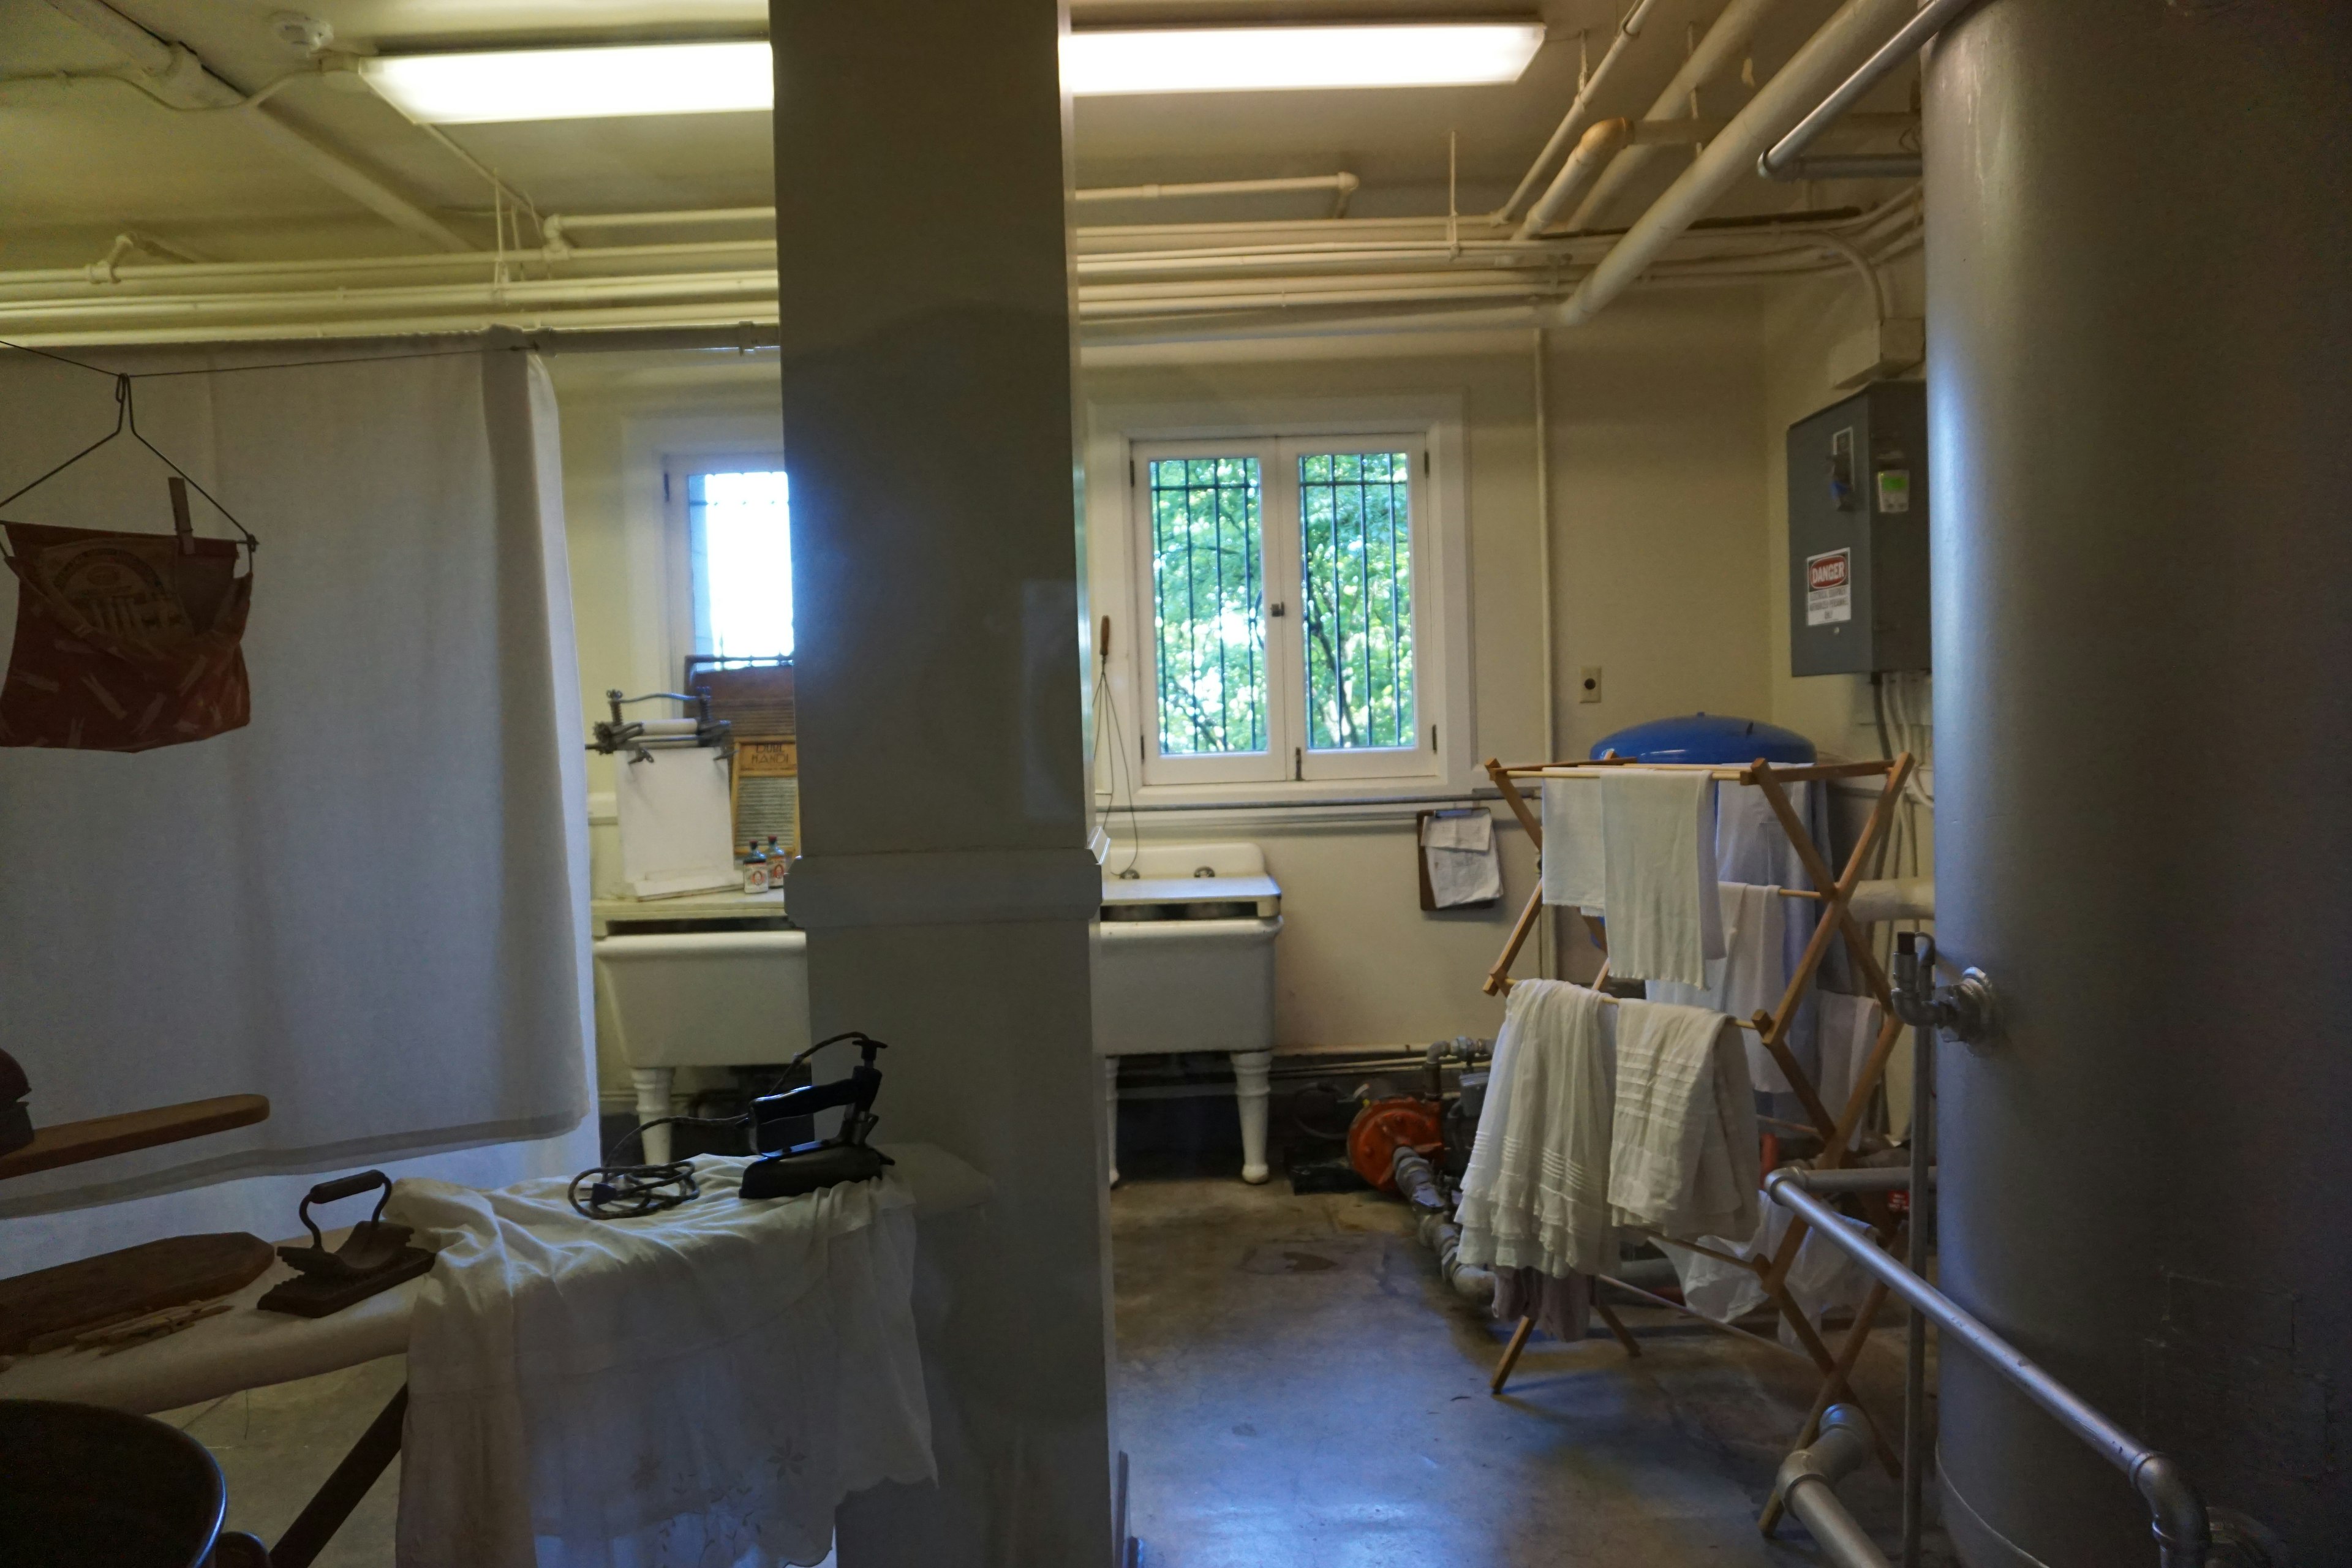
(371, 904)
(1536, 1195)
(1665, 916)
(1683, 1155)
(701, 1386)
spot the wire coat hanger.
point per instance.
(126, 417)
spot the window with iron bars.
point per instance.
(1282, 585)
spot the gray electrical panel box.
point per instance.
(1858, 515)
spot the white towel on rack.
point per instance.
(1683, 1152)
(1849, 1033)
(1665, 916)
(1752, 973)
(1536, 1195)
(1572, 874)
(1751, 845)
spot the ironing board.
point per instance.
(242, 1349)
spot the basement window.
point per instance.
(1287, 587)
(739, 542)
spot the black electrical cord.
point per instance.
(627, 1192)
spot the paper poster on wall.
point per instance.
(1829, 588)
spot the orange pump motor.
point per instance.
(1384, 1127)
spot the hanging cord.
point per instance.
(126, 417)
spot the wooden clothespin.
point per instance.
(182, 525)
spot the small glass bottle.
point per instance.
(755, 869)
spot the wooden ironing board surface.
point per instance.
(71, 1142)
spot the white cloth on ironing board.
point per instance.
(1536, 1195)
(700, 1386)
(1682, 1158)
(1751, 975)
(1665, 916)
(1572, 862)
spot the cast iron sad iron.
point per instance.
(791, 1170)
(375, 1257)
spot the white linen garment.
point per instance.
(1459, 849)
(1683, 1157)
(1752, 973)
(685, 1390)
(1665, 916)
(1536, 1195)
(1849, 1034)
(1574, 873)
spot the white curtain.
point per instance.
(371, 904)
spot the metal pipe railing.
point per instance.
(2175, 1513)
(1807, 1487)
(1907, 41)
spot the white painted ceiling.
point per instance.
(81, 160)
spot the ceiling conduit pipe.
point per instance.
(1857, 26)
(1627, 31)
(1342, 185)
(1593, 150)
(1785, 160)
(1725, 40)
(178, 77)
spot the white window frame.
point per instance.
(678, 535)
(1119, 523)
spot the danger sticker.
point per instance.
(1829, 588)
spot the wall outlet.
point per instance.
(1588, 684)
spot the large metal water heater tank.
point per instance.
(2139, 279)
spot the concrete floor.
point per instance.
(1297, 1388)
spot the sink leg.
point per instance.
(1111, 1114)
(1249, 1094)
(653, 1101)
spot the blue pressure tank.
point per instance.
(1710, 738)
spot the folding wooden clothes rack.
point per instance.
(1835, 894)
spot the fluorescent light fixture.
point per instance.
(593, 83)
(576, 83)
(1259, 59)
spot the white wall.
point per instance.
(1659, 539)
(1803, 325)
(1669, 531)
(622, 414)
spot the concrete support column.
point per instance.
(928, 369)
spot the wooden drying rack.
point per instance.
(1835, 894)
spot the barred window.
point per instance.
(1285, 582)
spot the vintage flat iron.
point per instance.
(375, 1257)
(791, 1170)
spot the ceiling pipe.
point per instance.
(1593, 149)
(1342, 184)
(1627, 31)
(1725, 41)
(1857, 26)
(177, 76)
(1778, 161)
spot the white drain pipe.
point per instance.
(1859, 27)
(1627, 31)
(1725, 41)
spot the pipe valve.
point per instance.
(1969, 1009)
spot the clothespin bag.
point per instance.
(125, 641)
